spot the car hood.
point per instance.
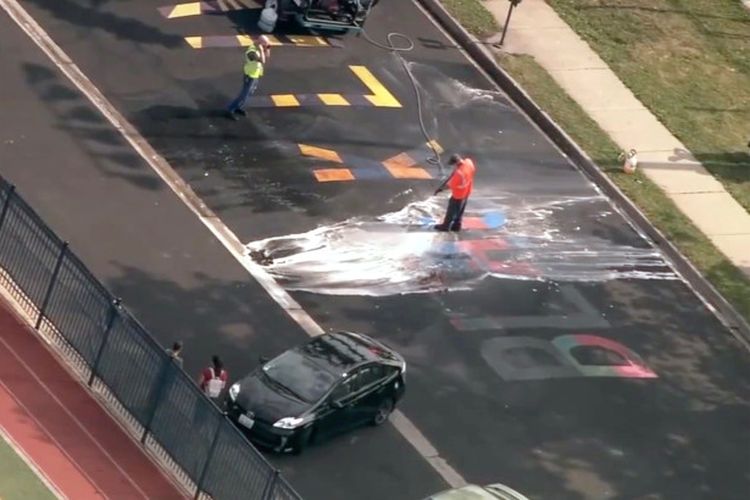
(267, 402)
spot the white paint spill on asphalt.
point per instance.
(399, 253)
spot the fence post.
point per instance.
(11, 192)
(202, 477)
(111, 316)
(156, 398)
(51, 285)
(271, 485)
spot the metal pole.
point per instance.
(507, 21)
(111, 316)
(51, 285)
(11, 192)
(202, 477)
(271, 485)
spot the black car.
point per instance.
(333, 383)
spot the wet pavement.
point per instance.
(550, 347)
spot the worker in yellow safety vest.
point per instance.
(461, 183)
(256, 56)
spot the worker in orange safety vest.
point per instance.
(461, 182)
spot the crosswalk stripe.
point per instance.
(185, 10)
(195, 42)
(320, 153)
(285, 100)
(333, 100)
(333, 174)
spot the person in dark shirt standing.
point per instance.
(175, 352)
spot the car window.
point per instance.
(351, 385)
(355, 381)
(300, 375)
(371, 374)
(343, 390)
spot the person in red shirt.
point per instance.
(461, 182)
(213, 379)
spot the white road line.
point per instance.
(5, 436)
(405, 427)
(32, 374)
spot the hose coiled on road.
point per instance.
(393, 47)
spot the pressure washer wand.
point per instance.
(444, 183)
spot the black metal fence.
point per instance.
(125, 366)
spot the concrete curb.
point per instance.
(482, 56)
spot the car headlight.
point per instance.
(233, 391)
(291, 422)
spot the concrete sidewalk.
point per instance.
(537, 30)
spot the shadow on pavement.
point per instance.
(73, 114)
(122, 27)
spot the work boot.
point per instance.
(241, 112)
(232, 115)
(441, 227)
(456, 228)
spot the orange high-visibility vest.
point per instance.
(462, 179)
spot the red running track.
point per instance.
(62, 430)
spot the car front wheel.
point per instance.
(383, 412)
(302, 440)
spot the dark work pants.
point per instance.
(248, 88)
(454, 214)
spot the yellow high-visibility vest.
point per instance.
(253, 69)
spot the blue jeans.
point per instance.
(248, 88)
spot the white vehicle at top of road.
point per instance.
(495, 491)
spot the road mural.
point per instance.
(400, 253)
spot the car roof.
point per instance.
(474, 492)
(340, 352)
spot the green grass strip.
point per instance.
(661, 211)
(688, 61)
(17, 480)
(473, 16)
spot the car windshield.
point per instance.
(299, 375)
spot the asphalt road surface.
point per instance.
(550, 347)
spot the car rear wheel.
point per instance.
(383, 412)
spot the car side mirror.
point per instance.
(263, 360)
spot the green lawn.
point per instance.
(688, 61)
(729, 280)
(662, 212)
(473, 16)
(17, 480)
